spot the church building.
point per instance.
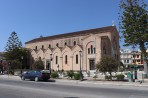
(75, 50)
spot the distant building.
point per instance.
(137, 59)
(129, 57)
(72, 51)
(126, 57)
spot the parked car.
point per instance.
(36, 75)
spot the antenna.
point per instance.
(113, 23)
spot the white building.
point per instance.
(126, 57)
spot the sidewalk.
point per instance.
(66, 81)
(9, 77)
(117, 83)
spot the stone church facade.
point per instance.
(76, 50)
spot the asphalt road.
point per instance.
(51, 89)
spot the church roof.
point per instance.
(74, 34)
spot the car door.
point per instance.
(32, 75)
(37, 74)
(27, 74)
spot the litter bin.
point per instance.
(144, 75)
(130, 77)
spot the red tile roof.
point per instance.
(74, 34)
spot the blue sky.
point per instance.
(32, 18)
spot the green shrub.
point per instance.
(54, 75)
(76, 76)
(108, 77)
(38, 64)
(70, 74)
(120, 77)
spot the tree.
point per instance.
(133, 24)
(14, 64)
(107, 64)
(13, 47)
(122, 67)
(13, 42)
(14, 52)
(38, 64)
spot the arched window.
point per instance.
(49, 46)
(57, 45)
(91, 47)
(94, 50)
(88, 50)
(56, 59)
(74, 43)
(65, 44)
(65, 59)
(42, 46)
(76, 59)
(40, 58)
(36, 48)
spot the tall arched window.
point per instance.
(57, 45)
(65, 44)
(88, 50)
(49, 46)
(65, 59)
(56, 59)
(74, 43)
(76, 59)
(91, 47)
(94, 50)
(42, 46)
(36, 48)
(40, 58)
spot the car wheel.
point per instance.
(23, 78)
(45, 80)
(36, 79)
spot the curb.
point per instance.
(103, 83)
(86, 82)
(9, 77)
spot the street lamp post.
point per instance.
(50, 62)
(9, 65)
(2, 70)
(135, 67)
(81, 77)
(21, 64)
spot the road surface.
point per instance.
(51, 89)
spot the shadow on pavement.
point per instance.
(51, 80)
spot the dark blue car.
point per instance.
(36, 75)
